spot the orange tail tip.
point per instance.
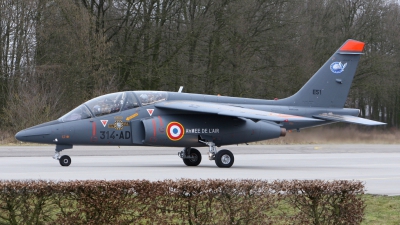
(352, 46)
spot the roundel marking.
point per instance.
(338, 67)
(175, 131)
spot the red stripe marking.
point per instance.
(353, 46)
(154, 127)
(161, 123)
(93, 128)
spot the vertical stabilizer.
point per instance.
(330, 85)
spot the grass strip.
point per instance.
(382, 210)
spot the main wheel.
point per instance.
(224, 158)
(65, 160)
(195, 161)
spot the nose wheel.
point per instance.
(65, 160)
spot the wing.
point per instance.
(348, 119)
(229, 110)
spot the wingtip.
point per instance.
(352, 46)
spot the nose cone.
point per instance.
(39, 134)
(20, 136)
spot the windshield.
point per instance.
(79, 113)
(106, 104)
(151, 97)
(103, 105)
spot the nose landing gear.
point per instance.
(64, 160)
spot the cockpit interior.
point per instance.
(114, 103)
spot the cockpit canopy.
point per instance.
(114, 103)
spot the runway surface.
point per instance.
(376, 165)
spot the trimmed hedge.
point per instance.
(182, 201)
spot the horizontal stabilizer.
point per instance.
(348, 119)
(233, 111)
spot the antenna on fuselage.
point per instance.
(180, 89)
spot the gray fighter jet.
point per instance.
(176, 119)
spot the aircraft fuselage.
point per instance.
(148, 125)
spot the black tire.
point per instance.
(224, 158)
(65, 160)
(196, 160)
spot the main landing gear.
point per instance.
(64, 160)
(192, 157)
(224, 158)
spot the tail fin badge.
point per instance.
(338, 67)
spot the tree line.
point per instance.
(56, 54)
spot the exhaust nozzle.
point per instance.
(283, 132)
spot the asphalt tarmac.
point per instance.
(376, 165)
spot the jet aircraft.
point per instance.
(176, 119)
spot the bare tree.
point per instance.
(70, 51)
